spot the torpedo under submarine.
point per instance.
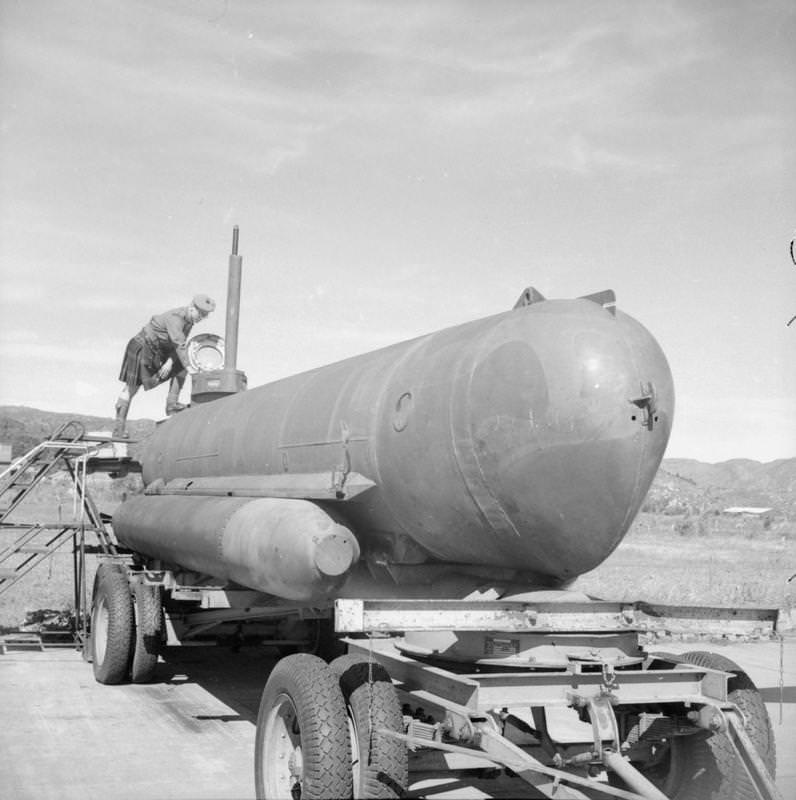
(523, 443)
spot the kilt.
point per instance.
(141, 363)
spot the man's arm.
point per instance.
(175, 325)
(165, 369)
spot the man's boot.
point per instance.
(172, 401)
(119, 430)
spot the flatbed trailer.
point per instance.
(498, 710)
(491, 684)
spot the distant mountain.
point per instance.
(681, 485)
(24, 427)
(701, 487)
(739, 472)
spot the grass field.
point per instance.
(728, 563)
(665, 559)
(50, 584)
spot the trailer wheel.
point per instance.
(111, 625)
(148, 632)
(380, 763)
(301, 746)
(703, 766)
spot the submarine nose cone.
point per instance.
(564, 425)
(335, 553)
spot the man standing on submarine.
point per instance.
(159, 352)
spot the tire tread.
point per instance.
(369, 692)
(308, 680)
(715, 771)
(148, 630)
(111, 582)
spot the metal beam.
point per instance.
(310, 486)
(397, 615)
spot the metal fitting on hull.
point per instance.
(289, 548)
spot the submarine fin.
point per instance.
(528, 297)
(606, 299)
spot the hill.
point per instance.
(693, 486)
(682, 485)
(774, 476)
(24, 427)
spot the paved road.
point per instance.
(191, 734)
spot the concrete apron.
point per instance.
(191, 733)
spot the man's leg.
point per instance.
(122, 407)
(173, 404)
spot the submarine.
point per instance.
(516, 447)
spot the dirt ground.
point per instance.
(191, 733)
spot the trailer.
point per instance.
(553, 688)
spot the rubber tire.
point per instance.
(302, 701)
(716, 772)
(148, 632)
(708, 766)
(381, 769)
(112, 625)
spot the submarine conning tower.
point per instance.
(525, 440)
(212, 384)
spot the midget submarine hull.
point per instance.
(526, 440)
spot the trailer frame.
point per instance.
(467, 710)
(471, 708)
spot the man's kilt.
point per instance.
(141, 363)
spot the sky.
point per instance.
(396, 168)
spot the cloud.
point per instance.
(17, 291)
(710, 431)
(584, 156)
(44, 354)
(83, 389)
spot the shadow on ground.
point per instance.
(235, 677)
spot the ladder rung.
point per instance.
(18, 482)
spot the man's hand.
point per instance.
(165, 370)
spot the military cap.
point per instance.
(204, 303)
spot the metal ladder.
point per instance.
(36, 541)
